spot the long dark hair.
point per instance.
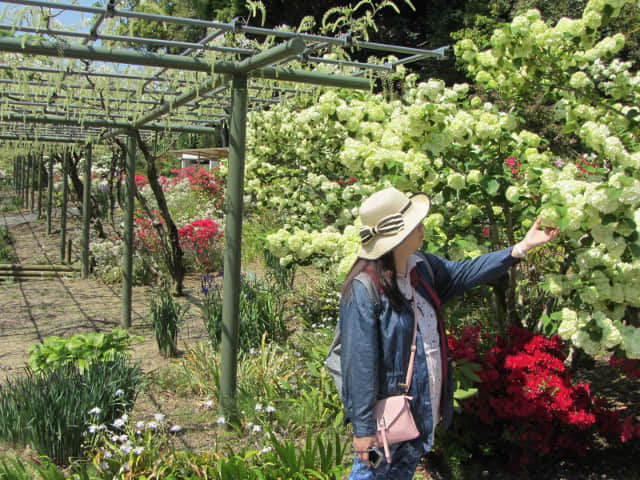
(383, 272)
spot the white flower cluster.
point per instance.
(107, 255)
(326, 248)
(597, 333)
(185, 204)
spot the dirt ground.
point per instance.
(35, 308)
(32, 309)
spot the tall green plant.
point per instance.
(166, 317)
(319, 457)
(281, 274)
(261, 311)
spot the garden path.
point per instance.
(33, 309)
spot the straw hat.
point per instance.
(388, 217)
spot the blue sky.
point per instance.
(69, 19)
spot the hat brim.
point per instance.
(416, 213)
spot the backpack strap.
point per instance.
(372, 288)
(424, 257)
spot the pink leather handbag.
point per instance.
(393, 414)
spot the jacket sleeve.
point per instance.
(360, 358)
(454, 278)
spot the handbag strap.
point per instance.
(412, 356)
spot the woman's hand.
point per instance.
(362, 445)
(534, 238)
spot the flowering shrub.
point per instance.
(184, 201)
(631, 367)
(201, 243)
(207, 182)
(146, 236)
(107, 256)
(488, 177)
(193, 193)
(141, 181)
(527, 405)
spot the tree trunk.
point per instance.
(78, 186)
(512, 313)
(500, 286)
(172, 250)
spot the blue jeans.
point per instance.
(404, 461)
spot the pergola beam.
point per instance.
(279, 52)
(60, 120)
(118, 55)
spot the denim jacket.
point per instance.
(376, 342)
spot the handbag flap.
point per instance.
(389, 409)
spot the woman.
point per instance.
(377, 330)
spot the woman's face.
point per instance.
(415, 239)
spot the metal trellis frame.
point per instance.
(59, 85)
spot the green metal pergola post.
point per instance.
(39, 162)
(233, 240)
(34, 180)
(63, 207)
(86, 211)
(49, 194)
(127, 257)
(28, 179)
(21, 177)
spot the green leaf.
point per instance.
(607, 11)
(634, 248)
(461, 394)
(629, 222)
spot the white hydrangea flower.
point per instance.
(512, 194)
(456, 181)
(580, 80)
(611, 336)
(630, 340)
(583, 340)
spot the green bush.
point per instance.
(7, 255)
(51, 410)
(80, 349)
(166, 318)
(261, 311)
